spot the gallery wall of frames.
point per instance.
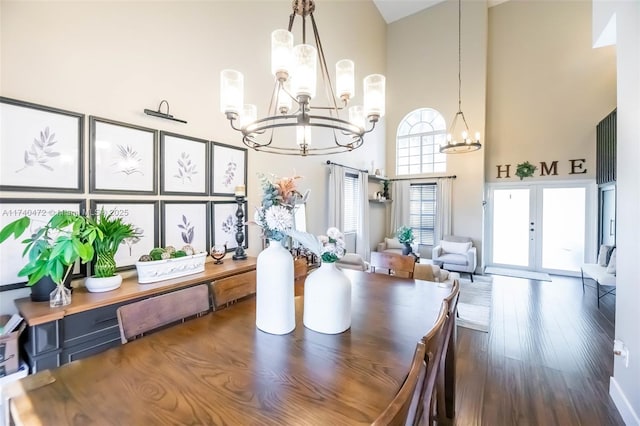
(174, 188)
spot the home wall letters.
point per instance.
(576, 167)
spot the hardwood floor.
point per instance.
(546, 360)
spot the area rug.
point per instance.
(517, 273)
(474, 304)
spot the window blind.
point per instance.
(422, 212)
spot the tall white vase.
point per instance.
(275, 306)
(327, 300)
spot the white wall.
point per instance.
(547, 88)
(113, 59)
(625, 383)
(422, 63)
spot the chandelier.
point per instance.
(465, 143)
(295, 72)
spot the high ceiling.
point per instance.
(392, 10)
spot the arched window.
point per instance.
(418, 141)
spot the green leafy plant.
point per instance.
(110, 233)
(53, 249)
(525, 169)
(405, 235)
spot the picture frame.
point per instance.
(41, 148)
(144, 216)
(39, 211)
(228, 169)
(123, 158)
(184, 165)
(186, 222)
(224, 224)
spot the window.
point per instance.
(422, 212)
(351, 202)
(418, 141)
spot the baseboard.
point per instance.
(625, 409)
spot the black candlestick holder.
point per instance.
(240, 254)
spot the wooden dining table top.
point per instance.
(220, 369)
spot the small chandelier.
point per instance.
(465, 143)
(295, 71)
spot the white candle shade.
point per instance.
(231, 91)
(374, 94)
(304, 72)
(345, 80)
(281, 52)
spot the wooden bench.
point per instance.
(600, 275)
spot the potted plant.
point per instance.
(405, 236)
(53, 250)
(110, 232)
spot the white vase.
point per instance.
(327, 300)
(100, 284)
(275, 306)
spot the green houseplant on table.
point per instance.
(405, 236)
(68, 237)
(110, 233)
(53, 250)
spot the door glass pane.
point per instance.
(563, 223)
(511, 227)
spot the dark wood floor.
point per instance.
(546, 360)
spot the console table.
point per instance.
(57, 336)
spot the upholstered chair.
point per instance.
(456, 254)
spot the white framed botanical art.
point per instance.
(225, 224)
(123, 158)
(184, 165)
(186, 223)
(143, 215)
(229, 169)
(41, 148)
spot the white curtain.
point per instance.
(399, 206)
(336, 197)
(443, 209)
(362, 237)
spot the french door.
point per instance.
(541, 227)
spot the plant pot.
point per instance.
(60, 296)
(101, 284)
(407, 249)
(41, 290)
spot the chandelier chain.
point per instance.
(459, 56)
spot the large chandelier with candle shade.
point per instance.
(295, 69)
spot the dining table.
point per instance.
(220, 369)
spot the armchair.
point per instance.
(456, 254)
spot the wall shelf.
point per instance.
(373, 200)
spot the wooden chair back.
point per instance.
(423, 271)
(434, 341)
(398, 412)
(300, 272)
(228, 290)
(138, 318)
(396, 264)
(447, 360)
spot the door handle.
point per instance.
(611, 226)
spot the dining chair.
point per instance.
(395, 264)
(398, 412)
(434, 342)
(447, 360)
(300, 272)
(231, 289)
(138, 318)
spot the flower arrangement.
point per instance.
(405, 235)
(275, 215)
(329, 248)
(332, 245)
